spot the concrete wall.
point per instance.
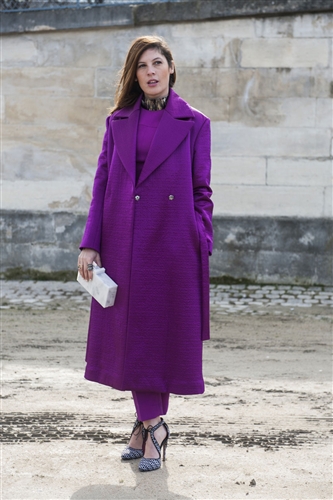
(266, 84)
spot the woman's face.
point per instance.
(153, 73)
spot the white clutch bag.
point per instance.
(101, 287)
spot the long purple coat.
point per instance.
(154, 237)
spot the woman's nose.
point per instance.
(151, 70)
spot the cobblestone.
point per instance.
(224, 299)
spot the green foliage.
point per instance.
(18, 273)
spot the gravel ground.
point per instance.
(262, 429)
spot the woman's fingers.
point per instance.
(85, 263)
(89, 272)
(83, 269)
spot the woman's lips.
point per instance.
(152, 82)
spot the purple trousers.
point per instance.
(150, 405)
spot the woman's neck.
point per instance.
(154, 104)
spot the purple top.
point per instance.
(148, 124)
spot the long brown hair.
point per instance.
(128, 90)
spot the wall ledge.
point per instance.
(102, 16)
(284, 250)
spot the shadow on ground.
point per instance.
(148, 485)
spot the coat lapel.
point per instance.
(124, 127)
(175, 124)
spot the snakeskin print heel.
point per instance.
(150, 464)
(130, 453)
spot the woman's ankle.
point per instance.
(136, 439)
(152, 422)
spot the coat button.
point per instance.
(171, 197)
(137, 197)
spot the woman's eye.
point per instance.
(141, 66)
(158, 62)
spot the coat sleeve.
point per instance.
(92, 234)
(202, 191)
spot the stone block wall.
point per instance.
(265, 82)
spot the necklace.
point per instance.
(154, 104)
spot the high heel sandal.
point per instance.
(130, 453)
(150, 464)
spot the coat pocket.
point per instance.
(204, 261)
(201, 232)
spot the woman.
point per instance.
(150, 226)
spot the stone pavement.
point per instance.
(225, 299)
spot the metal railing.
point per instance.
(24, 5)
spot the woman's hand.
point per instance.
(88, 256)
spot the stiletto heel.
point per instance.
(164, 449)
(150, 464)
(130, 453)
